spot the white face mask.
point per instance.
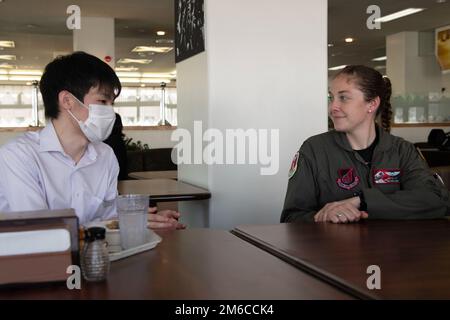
(100, 122)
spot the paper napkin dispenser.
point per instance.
(37, 246)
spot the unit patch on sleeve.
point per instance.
(347, 179)
(294, 165)
(386, 176)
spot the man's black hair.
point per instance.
(77, 73)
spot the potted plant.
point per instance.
(135, 154)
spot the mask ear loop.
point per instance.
(70, 112)
(78, 100)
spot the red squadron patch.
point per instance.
(347, 179)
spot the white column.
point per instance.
(265, 67)
(411, 64)
(96, 37)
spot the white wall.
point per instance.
(409, 71)
(92, 29)
(446, 83)
(192, 104)
(256, 83)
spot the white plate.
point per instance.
(115, 250)
(152, 240)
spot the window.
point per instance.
(137, 106)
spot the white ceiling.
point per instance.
(348, 18)
(39, 27)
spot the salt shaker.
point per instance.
(94, 258)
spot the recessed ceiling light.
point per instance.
(330, 45)
(384, 58)
(349, 40)
(164, 41)
(145, 54)
(142, 85)
(380, 67)
(118, 69)
(7, 57)
(152, 49)
(140, 61)
(399, 14)
(7, 44)
(161, 33)
(337, 67)
(7, 66)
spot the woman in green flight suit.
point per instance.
(359, 170)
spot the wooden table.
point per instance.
(161, 190)
(140, 175)
(194, 264)
(414, 256)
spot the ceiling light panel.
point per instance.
(7, 44)
(152, 49)
(399, 14)
(139, 61)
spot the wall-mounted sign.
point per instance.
(443, 48)
(189, 33)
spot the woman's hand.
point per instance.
(341, 212)
(164, 220)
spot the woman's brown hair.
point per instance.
(373, 84)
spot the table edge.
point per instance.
(305, 266)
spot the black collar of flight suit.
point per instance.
(384, 143)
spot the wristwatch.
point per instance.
(362, 200)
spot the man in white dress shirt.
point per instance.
(66, 164)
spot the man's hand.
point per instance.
(341, 211)
(164, 220)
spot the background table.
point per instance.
(194, 264)
(414, 256)
(170, 174)
(163, 189)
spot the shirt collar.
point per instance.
(91, 152)
(49, 141)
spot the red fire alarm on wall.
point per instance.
(108, 58)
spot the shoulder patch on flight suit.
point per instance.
(294, 165)
(347, 179)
